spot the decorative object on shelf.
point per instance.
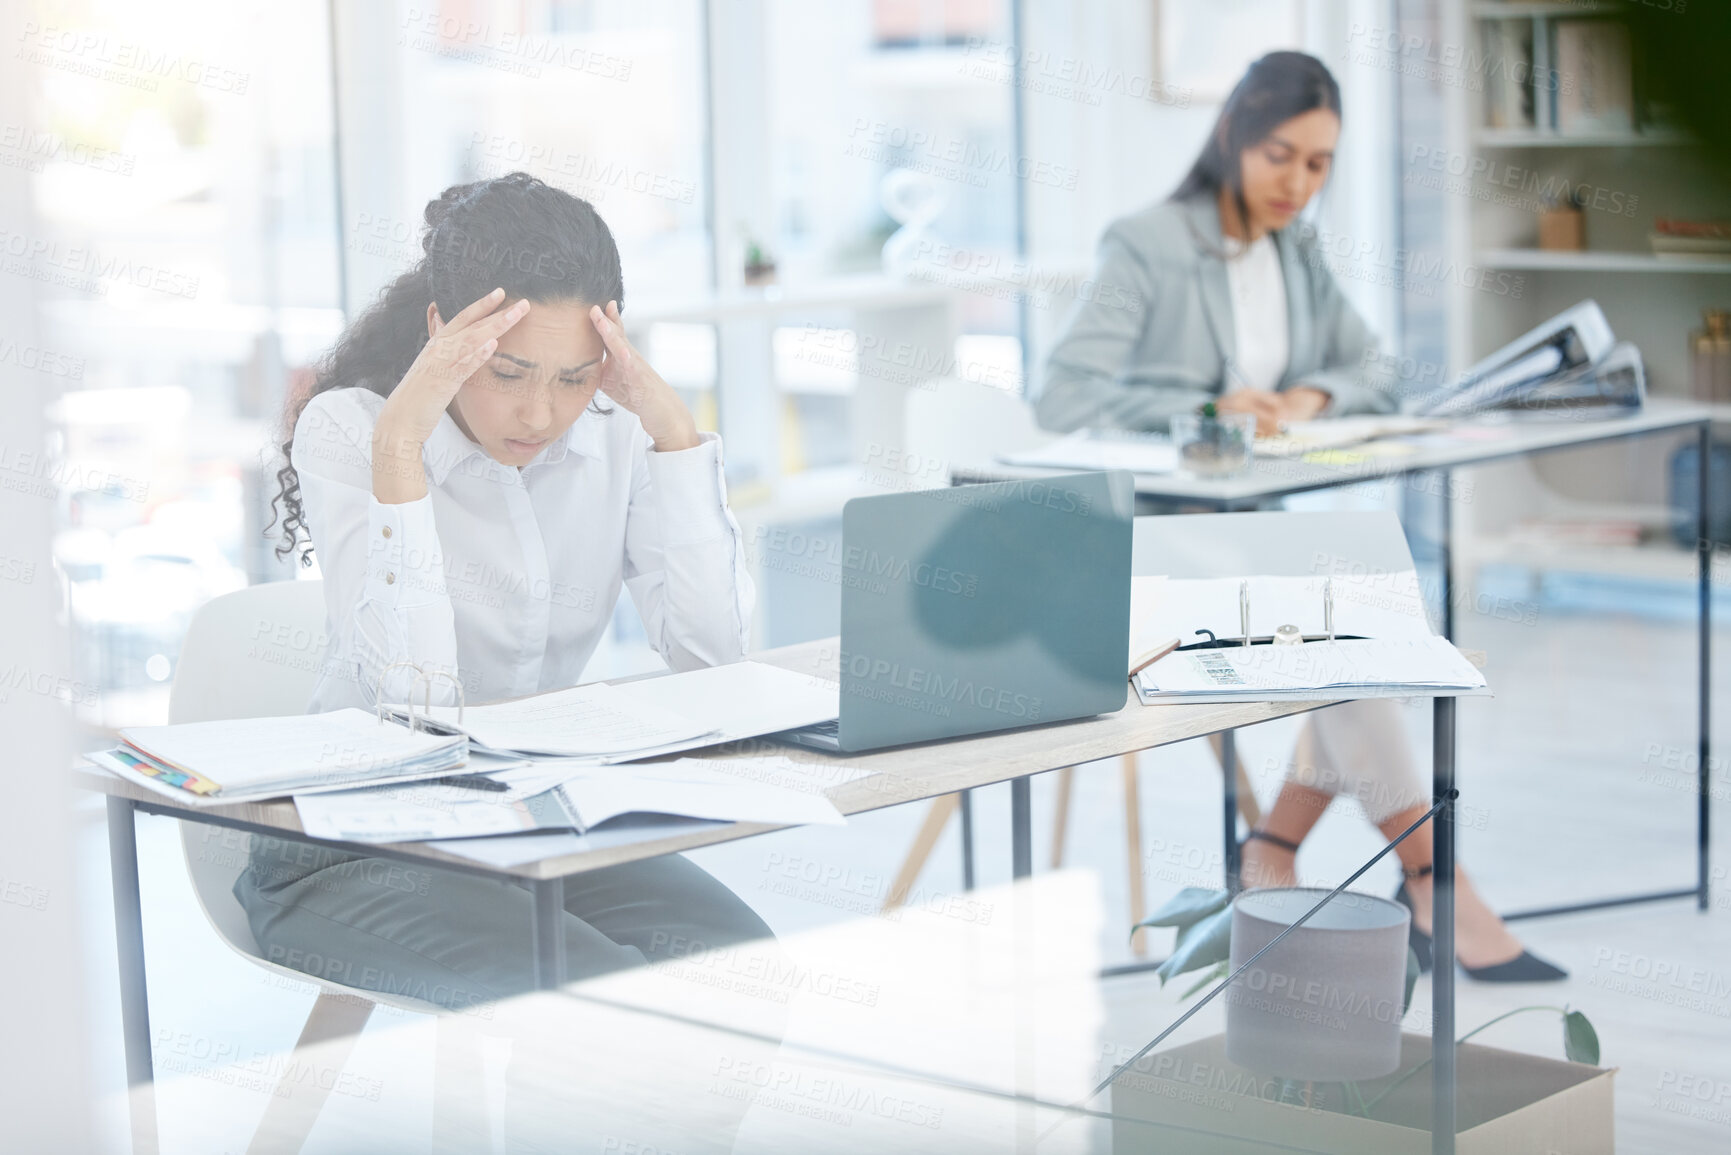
(1562, 225)
(1348, 975)
(1214, 444)
(1697, 240)
(1710, 357)
(914, 201)
(759, 265)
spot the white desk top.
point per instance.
(1470, 442)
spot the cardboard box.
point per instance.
(1190, 1099)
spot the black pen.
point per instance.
(473, 782)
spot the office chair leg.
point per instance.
(936, 818)
(335, 1020)
(1247, 806)
(1133, 848)
(460, 1120)
(1061, 814)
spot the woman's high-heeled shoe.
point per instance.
(1525, 967)
(1416, 938)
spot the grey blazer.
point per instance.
(1155, 336)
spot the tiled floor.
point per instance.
(1573, 785)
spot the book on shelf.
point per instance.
(1595, 91)
(1509, 92)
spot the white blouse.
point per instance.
(506, 578)
(1259, 318)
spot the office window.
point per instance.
(864, 93)
(187, 268)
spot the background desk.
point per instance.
(1474, 443)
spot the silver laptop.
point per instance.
(981, 607)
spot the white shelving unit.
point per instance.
(1645, 171)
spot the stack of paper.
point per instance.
(602, 723)
(764, 790)
(208, 763)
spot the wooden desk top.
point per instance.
(904, 774)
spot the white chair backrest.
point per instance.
(254, 653)
(952, 421)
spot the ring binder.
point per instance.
(422, 679)
(1245, 639)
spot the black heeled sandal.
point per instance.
(1525, 967)
(1416, 938)
(1271, 839)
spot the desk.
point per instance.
(894, 776)
(1470, 443)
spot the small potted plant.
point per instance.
(1206, 920)
(1213, 444)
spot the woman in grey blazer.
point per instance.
(1220, 294)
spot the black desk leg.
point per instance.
(967, 809)
(1446, 548)
(1704, 661)
(1442, 991)
(1021, 827)
(548, 939)
(134, 994)
(1229, 792)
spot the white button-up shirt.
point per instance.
(506, 578)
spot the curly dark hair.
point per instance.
(513, 231)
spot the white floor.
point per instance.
(1577, 779)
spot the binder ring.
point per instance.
(424, 680)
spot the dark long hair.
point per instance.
(514, 231)
(1273, 90)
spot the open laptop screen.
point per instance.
(984, 607)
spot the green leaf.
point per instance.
(1213, 975)
(1202, 944)
(1412, 972)
(1580, 1040)
(1190, 905)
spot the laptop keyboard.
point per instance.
(830, 728)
